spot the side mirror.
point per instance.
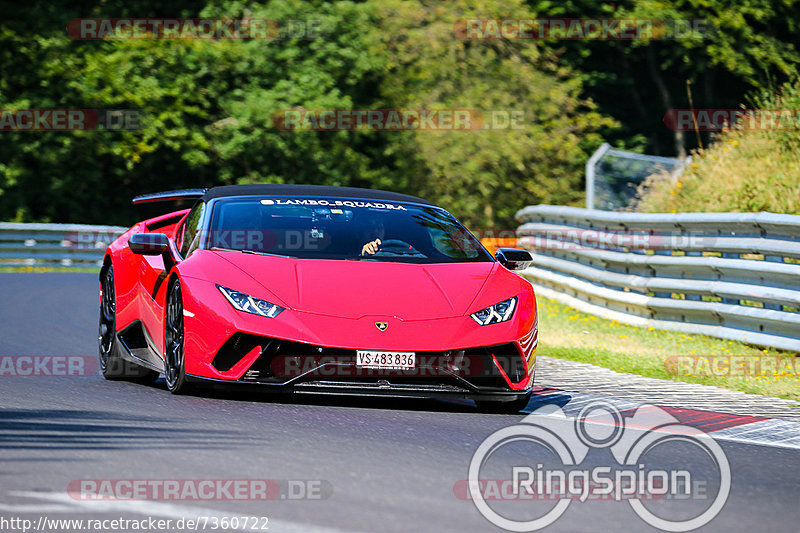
(514, 258)
(148, 243)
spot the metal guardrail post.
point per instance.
(600, 152)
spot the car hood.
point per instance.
(355, 289)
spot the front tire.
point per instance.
(174, 352)
(112, 365)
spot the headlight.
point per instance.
(496, 313)
(248, 304)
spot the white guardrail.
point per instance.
(729, 275)
(55, 245)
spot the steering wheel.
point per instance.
(396, 247)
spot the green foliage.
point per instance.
(739, 46)
(745, 170)
(208, 106)
(486, 176)
(207, 109)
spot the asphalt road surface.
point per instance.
(339, 464)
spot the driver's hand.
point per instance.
(371, 247)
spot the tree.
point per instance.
(487, 175)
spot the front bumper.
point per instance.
(501, 372)
(302, 352)
(363, 389)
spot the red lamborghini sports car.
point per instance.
(328, 290)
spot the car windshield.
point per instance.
(331, 228)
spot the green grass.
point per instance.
(566, 333)
(744, 170)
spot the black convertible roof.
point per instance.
(311, 190)
(281, 190)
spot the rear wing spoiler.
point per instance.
(183, 194)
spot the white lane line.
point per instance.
(169, 510)
(763, 441)
(775, 433)
(763, 427)
(772, 432)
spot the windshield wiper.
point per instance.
(254, 252)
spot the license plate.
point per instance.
(386, 360)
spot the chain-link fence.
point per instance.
(613, 176)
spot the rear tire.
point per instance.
(112, 365)
(174, 352)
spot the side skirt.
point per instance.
(138, 347)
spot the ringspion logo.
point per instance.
(544, 459)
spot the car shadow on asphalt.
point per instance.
(541, 396)
(68, 429)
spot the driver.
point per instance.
(373, 229)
